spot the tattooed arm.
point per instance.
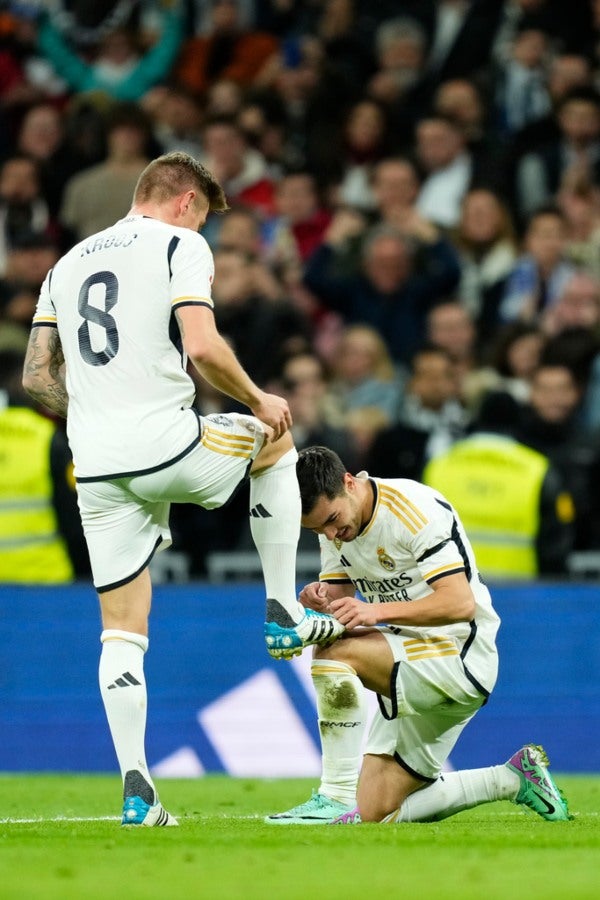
(44, 371)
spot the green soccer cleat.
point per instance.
(319, 810)
(538, 790)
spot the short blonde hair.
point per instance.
(173, 173)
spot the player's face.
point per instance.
(340, 519)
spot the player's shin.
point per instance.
(123, 690)
(275, 525)
(342, 710)
(454, 792)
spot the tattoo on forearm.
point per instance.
(45, 376)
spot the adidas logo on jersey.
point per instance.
(125, 680)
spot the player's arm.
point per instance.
(217, 363)
(44, 369)
(451, 601)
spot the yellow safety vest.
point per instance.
(494, 483)
(31, 549)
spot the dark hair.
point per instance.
(320, 473)
(172, 174)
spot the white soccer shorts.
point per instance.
(125, 520)
(432, 701)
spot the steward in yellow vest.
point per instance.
(39, 519)
(512, 503)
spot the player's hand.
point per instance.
(315, 596)
(352, 612)
(273, 410)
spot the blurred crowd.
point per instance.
(412, 254)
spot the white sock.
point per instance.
(275, 511)
(342, 709)
(123, 690)
(454, 792)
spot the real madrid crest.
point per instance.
(385, 560)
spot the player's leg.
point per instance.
(122, 533)
(524, 779)
(339, 672)
(275, 512)
(342, 712)
(123, 689)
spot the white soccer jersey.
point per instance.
(413, 538)
(112, 298)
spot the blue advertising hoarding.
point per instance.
(219, 703)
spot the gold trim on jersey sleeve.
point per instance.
(227, 444)
(42, 319)
(449, 566)
(334, 576)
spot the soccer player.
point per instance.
(424, 642)
(103, 353)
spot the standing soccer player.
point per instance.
(103, 353)
(428, 651)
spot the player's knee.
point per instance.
(272, 451)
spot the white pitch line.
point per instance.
(41, 820)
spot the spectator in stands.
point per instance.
(364, 141)
(99, 195)
(176, 118)
(451, 327)
(42, 136)
(300, 222)
(431, 418)
(521, 90)
(254, 323)
(448, 168)
(390, 292)
(487, 246)
(577, 149)
(400, 47)
(395, 185)
(577, 306)
(579, 201)
(240, 169)
(304, 384)
(512, 502)
(461, 100)
(513, 357)
(540, 274)
(566, 72)
(24, 212)
(363, 376)
(41, 539)
(118, 70)
(227, 50)
(460, 35)
(550, 424)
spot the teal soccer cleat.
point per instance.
(286, 639)
(319, 810)
(137, 812)
(538, 790)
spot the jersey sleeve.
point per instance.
(192, 272)
(437, 547)
(45, 313)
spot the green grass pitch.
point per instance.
(60, 839)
